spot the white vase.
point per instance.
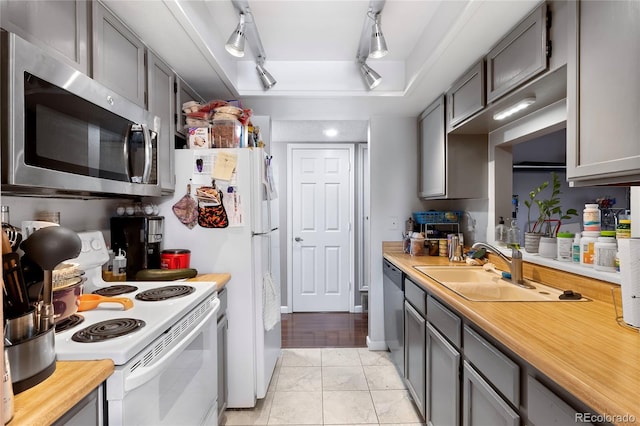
(548, 247)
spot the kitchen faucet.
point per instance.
(515, 263)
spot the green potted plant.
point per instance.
(550, 216)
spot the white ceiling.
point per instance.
(311, 48)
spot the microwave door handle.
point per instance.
(148, 147)
(127, 150)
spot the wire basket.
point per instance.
(433, 216)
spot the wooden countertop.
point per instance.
(580, 346)
(49, 400)
(221, 279)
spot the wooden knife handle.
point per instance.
(6, 244)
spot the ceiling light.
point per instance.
(514, 108)
(266, 79)
(377, 45)
(371, 78)
(235, 44)
(330, 133)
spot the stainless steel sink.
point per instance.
(478, 285)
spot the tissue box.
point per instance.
(199, 138)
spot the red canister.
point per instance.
(175, 258)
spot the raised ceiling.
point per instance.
(311, 48)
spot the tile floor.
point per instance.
(331, 386)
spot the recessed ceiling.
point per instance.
(311, 46)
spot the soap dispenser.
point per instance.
(501, 233)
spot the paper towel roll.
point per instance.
(629, 255)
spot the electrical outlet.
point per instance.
(393, 222)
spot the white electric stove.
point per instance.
(166, 360)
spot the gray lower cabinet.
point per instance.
(481, 404)
(59, 26)
(161, 105)
(442, 381)
(545, 408)
(519, 56)
(415, 352)
(118, 56)
(602, 117)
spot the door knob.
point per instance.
(298, 239)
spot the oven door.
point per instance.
(179, 387)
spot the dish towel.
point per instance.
(270, 302)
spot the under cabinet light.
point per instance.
(525, 103)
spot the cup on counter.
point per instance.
(175, 258)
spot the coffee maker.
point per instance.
(140, 237)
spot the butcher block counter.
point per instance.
(578, 345)
(72, 381)
(69, 384)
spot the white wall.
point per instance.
(394, 187)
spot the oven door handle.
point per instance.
(144, 374)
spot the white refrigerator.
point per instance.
(248, 249)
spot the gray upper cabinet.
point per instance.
(184, 93)
(432, 150)
(466, 96)
(59, 26)
(118, 56)
(452, 166)
(603, 93)
(519, 56)
(161, 105)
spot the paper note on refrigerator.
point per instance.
(224, 165)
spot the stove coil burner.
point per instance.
(69, 323)
(164, 293)
(108, 329)
(116, 290)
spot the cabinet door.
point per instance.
(162, 104)
(59, 26)
(414, 354)
(603, 92)
(519, 56)
(545, 408)
(432, 151)
(481, 405)
(443, 381)
(118, 56)
(466, 96)
(184, 93)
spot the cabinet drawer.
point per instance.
(415, 295)
(443, 319)
(545, 408)
(503, 373)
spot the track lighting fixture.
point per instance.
(266, 78)
(377, 45)
(235, 44)
(371, 78)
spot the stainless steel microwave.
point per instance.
(64, 133)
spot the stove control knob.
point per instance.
(96, 244)
(85, 246)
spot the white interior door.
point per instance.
(322, 212)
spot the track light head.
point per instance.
(266, 78)
(235, 44)
(377, 45)
(371, 78)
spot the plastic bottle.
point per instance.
(120, 266)
(7, 391)
(107, 268)
(513, 234)
(575, 248)
(501, 233)
(587, 247)
(591, 217)
(605, 252)
(565, 246)
(623, 230)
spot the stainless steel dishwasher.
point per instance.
(393, 291)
